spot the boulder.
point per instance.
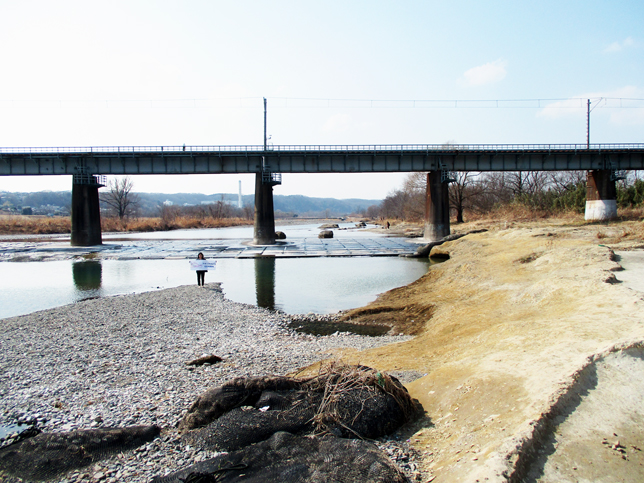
(280, 235)
(325, 234)
(346, 401)
(329, 226)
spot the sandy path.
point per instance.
(632, 262)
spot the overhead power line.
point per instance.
(318, 103)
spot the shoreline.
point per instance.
(121, 361)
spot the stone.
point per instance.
(325, 234)
(200, 361)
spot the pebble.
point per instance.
(119, 361)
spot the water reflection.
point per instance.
(265, 282)
(88, 275)
(295, 285)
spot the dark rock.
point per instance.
(239, 392)
(48, 455)
(329, 226)
(348, 401)
(280, 235)
(286, 457)
(211, 359)
(325, 234)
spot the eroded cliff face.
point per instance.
(505, 328)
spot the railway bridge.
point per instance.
(604, 164)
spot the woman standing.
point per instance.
(201, 274)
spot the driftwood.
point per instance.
(423, 252)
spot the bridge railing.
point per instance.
(173, 150)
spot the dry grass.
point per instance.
(160, 224)
(336, 379)
(37, 225)
(631, 214)
(521, 213)
(42, 225)
(618, 232)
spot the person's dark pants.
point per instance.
(201, 277)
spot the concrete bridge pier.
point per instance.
(601, 195)
(85, 212)
(264, 232)
(436, 207)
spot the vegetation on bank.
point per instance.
(42, 225)
(510, 195)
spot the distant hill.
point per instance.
(58, 202)
(293, 204)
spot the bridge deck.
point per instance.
(132, 160)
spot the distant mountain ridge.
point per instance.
(149, 203)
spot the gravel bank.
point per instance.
(120, 361)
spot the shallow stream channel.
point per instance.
(300, 275)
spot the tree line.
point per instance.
(121, 202)
(476, 194)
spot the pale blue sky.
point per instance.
(104, 73)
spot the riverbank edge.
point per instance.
(485, 394)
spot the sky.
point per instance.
(194, 72)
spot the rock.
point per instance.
(48, 455)
(329, 226)
(287, 457)
(211, 359)
(366, 404)
(280, 235)
(325, 234)
(424, 251)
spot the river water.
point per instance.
(294, 285)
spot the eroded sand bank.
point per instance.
(509, 324)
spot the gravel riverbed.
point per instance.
(121, 361)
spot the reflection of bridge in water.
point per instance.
(604, 163)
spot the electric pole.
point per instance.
(587, 123)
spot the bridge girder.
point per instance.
(128, 161)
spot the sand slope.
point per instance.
(510, 325)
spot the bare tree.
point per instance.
(393, 206)
(563, 181)
(120, 198)
(249, 211)
(526, 182)
(465, 193)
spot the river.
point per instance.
(295, 285)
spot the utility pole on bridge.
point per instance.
(264, 232)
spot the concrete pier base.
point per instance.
(601, 196)
(86, 215)
(436, 208)
(264, 233)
